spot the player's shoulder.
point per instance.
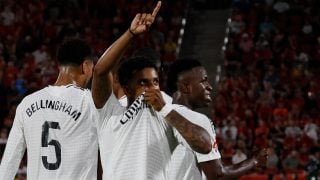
(80, 90)
(188, 112)
(32, 96)
(73, 93)
(68, 91)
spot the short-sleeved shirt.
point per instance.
(134, 148)
(184, 160)
(58, 127)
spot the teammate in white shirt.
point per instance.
(188, 82)
(57, 124)
(137, 143)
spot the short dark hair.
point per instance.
(73, 52)
(148, 53)
(129, 67)
(176, 69)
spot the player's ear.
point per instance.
(87, 66)
(183, 87)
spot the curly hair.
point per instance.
(128, 68)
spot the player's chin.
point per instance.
(208, 98)
(208, 101)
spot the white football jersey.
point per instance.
(184, 160)
(135, 143)
(57, 126)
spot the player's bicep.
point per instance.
(180, 139)
(214, 153)
(101, 89)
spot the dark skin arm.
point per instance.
(102, 73)
(197, 137)
(215, 170)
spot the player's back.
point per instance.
(60, 133)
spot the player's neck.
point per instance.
(183, 100)
(68, 75)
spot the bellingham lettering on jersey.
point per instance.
(54, 105)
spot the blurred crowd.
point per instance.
(270, 96)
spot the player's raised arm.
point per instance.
(102, 78)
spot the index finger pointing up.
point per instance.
(156, 9)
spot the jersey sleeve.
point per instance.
(15, 148)
(111, 107)
(93, 111)
(214, 153)
(204, 122)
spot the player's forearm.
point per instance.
(196, 136)
(9, 168)
(102, 78)
(214, 169)
(239, 169)
(111, 56)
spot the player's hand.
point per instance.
(153, 98)
(142, 21)
(261, 156)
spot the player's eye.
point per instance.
(156, 82)
(142, 82)
(204, 80)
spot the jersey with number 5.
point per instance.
(57, 127)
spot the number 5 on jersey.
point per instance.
(44, 143)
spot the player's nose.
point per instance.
(209, 87)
